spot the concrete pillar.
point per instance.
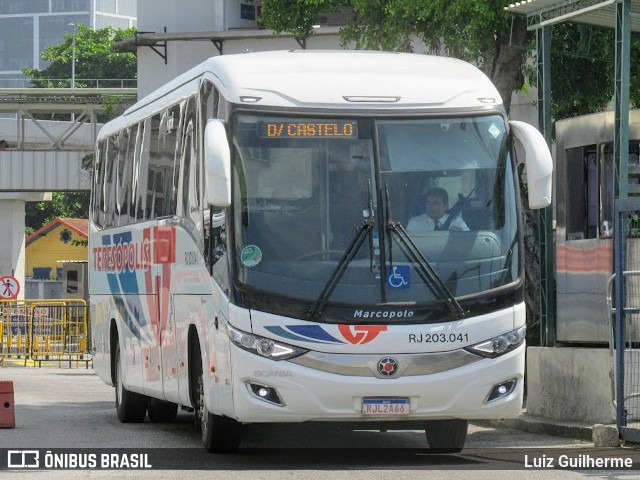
(12, 211)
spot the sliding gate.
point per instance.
(626, 329)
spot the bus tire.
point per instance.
(219, 434)
(446, 436)
(131, 407)
(161, 411)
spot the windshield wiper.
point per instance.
(363, 230)
(427, 272)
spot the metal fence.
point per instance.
(626, 331)
(44, 331)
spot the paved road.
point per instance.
(73, 409)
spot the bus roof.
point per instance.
(337, 79)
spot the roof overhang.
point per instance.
(602, 13)
(159, 40)
(59, 100)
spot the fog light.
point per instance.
(501, 390)
(265, 393)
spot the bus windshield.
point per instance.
(308, 191)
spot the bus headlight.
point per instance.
(496, 346)
(263, 346)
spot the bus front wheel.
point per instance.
(219, 434)
(446, 436)
(131, 407)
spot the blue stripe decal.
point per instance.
(129, 307)
(127, 277)
(111, 277)
(308, 333)
(313, 331)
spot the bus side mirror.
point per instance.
(538, 163)
(217, 164)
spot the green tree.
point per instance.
(583, 69)
(62, 204)
(95, 59)
(481, 32)
(477, 31)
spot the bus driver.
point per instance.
(437, 217)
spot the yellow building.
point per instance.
(49, 247)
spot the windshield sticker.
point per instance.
(399, 277)
(494, 130)
(251, 255)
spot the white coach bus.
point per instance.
(251, 258)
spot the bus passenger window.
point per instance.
(215, 245)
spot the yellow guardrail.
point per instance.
(37, 331)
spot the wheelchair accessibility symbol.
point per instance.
(399, 277)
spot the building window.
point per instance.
(16, 36)
(70, 6)
(106, 6)
(17, 7)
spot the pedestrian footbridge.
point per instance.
(46, 155)
(51, 133)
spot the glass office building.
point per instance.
(28, 26)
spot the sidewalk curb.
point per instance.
(540, 425)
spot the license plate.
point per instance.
(386, 406)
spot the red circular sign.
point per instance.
(9, 287)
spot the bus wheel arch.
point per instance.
(113, 341)
(194, 364)
(219, 433)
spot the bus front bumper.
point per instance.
(295, 393)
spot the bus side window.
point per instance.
(98, 192)
(215, 246)
(209, 98)
(143, 170)
(126, 177)
(110, 181)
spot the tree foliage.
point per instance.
(95, 59)
(481, 32)
(583, 69)
(477, 31)
(296, 17)
(62, 204)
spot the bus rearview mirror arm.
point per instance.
(538, 163)
(217, 164)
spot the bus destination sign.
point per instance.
(308, 129)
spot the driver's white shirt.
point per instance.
(426, 224)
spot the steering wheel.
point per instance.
(323, 254)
